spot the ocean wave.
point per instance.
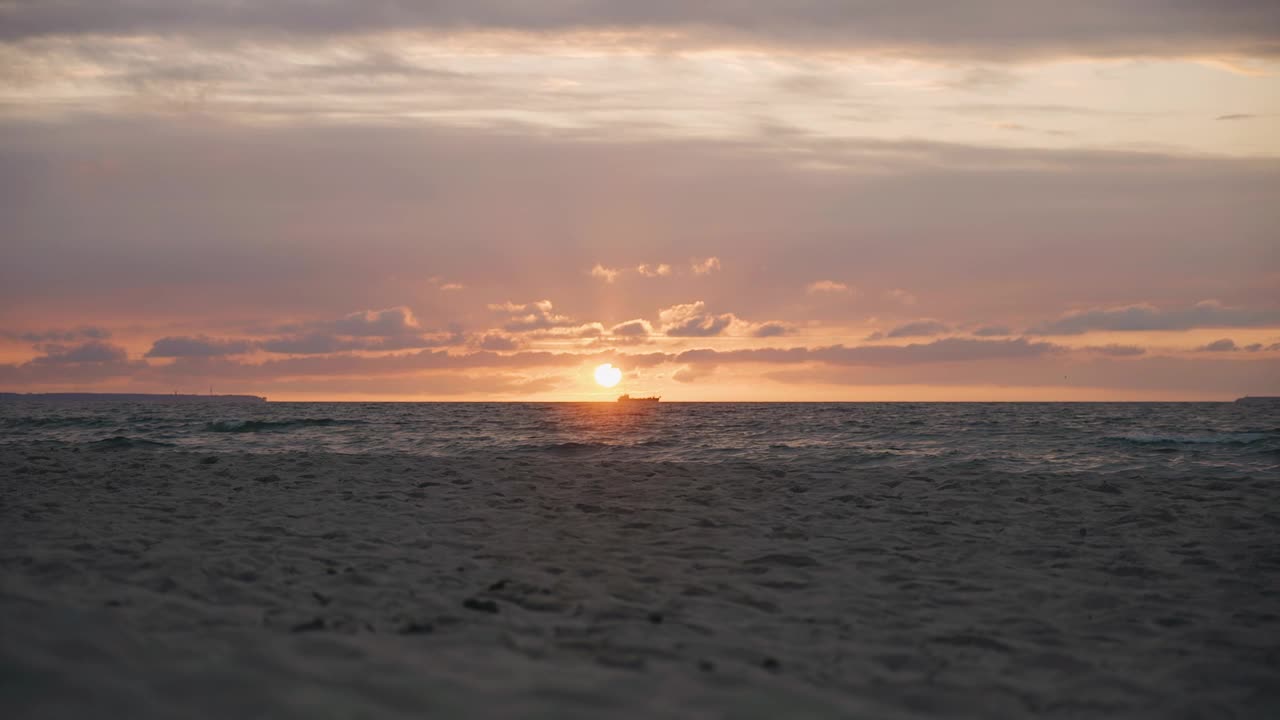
(569, 447)
(1235, 438)
(253, 426)
(120, 442)
(53, 422)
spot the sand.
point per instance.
(156, 583)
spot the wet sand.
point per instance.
(157, 583)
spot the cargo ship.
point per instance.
(629, 399)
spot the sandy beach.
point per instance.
(158, 583)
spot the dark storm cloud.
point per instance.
(919, 328)
(173, 347)
(977, 27)
(1135, 318)
(993, 331)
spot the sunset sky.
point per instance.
(484, 200)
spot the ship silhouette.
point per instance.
(629, 399)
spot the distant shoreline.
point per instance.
(175, 397)
(133, 397)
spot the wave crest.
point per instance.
(1236, 438)
(253, 426)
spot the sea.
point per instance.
(1222, 439)
(201, 559)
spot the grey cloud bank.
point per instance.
(1148, 318)
(132, 226)
(977, 27)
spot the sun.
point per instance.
(607, 375)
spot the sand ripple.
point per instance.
(142, 582)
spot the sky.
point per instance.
(727, 200)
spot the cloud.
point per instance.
(444, 285)
(508, 307)
(993, 331)
(1033, 28)
(309, 344)
(539, 315)
(497, 342)
(390, 322)
(1198, 377)
(979, 79)
(1236, 116)
(919, 328)
(947, 350)
(604, 273)
(831, 287)
(446, 384)
(569, 332)
(394, 328)
(93, 352)
(647, 270)
(1114, 350)
(692, 373)
(693, 320)
(1135, 318)
(632, 328)
(706, 266)
(350, 365)
(943, 362)
(660, 270)
(1223, 345)
(1151, 240)
(1019, 127)
(60, 336)
(72, 366)
(201, 346)
(772, 329)
(324, 341)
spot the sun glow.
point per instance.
(607, 375)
